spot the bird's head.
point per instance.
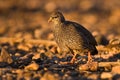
(56, 17)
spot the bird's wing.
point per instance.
(86, 33)
(73, 38)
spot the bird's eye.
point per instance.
(55, 17)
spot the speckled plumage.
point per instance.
(71, 36)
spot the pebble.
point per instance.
(32, 66)
(23, 47)
(106, 75)
(50, 76)
(116, 70)
(36, 56)
(93, 77)
(5, 57)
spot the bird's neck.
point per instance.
(58, 22)
(58, 27)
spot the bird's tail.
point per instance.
(94, 51)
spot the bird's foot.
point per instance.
(90, 65)
(90, 61)
(89, 58)
(73, 60)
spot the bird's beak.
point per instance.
(50, 20)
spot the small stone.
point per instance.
(32, 66)
(27, 36)
(23, 47)
(93, 66)
(106, 75)
(49, 54)
(9, 76)
(37, 33)
(19, 73)
(27, 75)
(93, 77)
(83, 67)
(36, 56)
(116, 70)
(5, 57)
(50, 76)
(50, 36)
(17, 54)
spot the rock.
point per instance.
(116, 70)
(9, 76)
(23, 47)
(83, 67)
(19, 73)
(36, 56)
(50, 76)
(93, 66)
(37, 33)
(27, 75)
(106, 75)
(17, 54)
(32, 66)
(93, 77)
(5, 57)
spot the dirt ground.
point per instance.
(28, 50)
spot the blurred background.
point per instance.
(28, 18)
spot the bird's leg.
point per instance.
(89, 57)
(72, 61)
(73, 58)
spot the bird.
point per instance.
(72, 37)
